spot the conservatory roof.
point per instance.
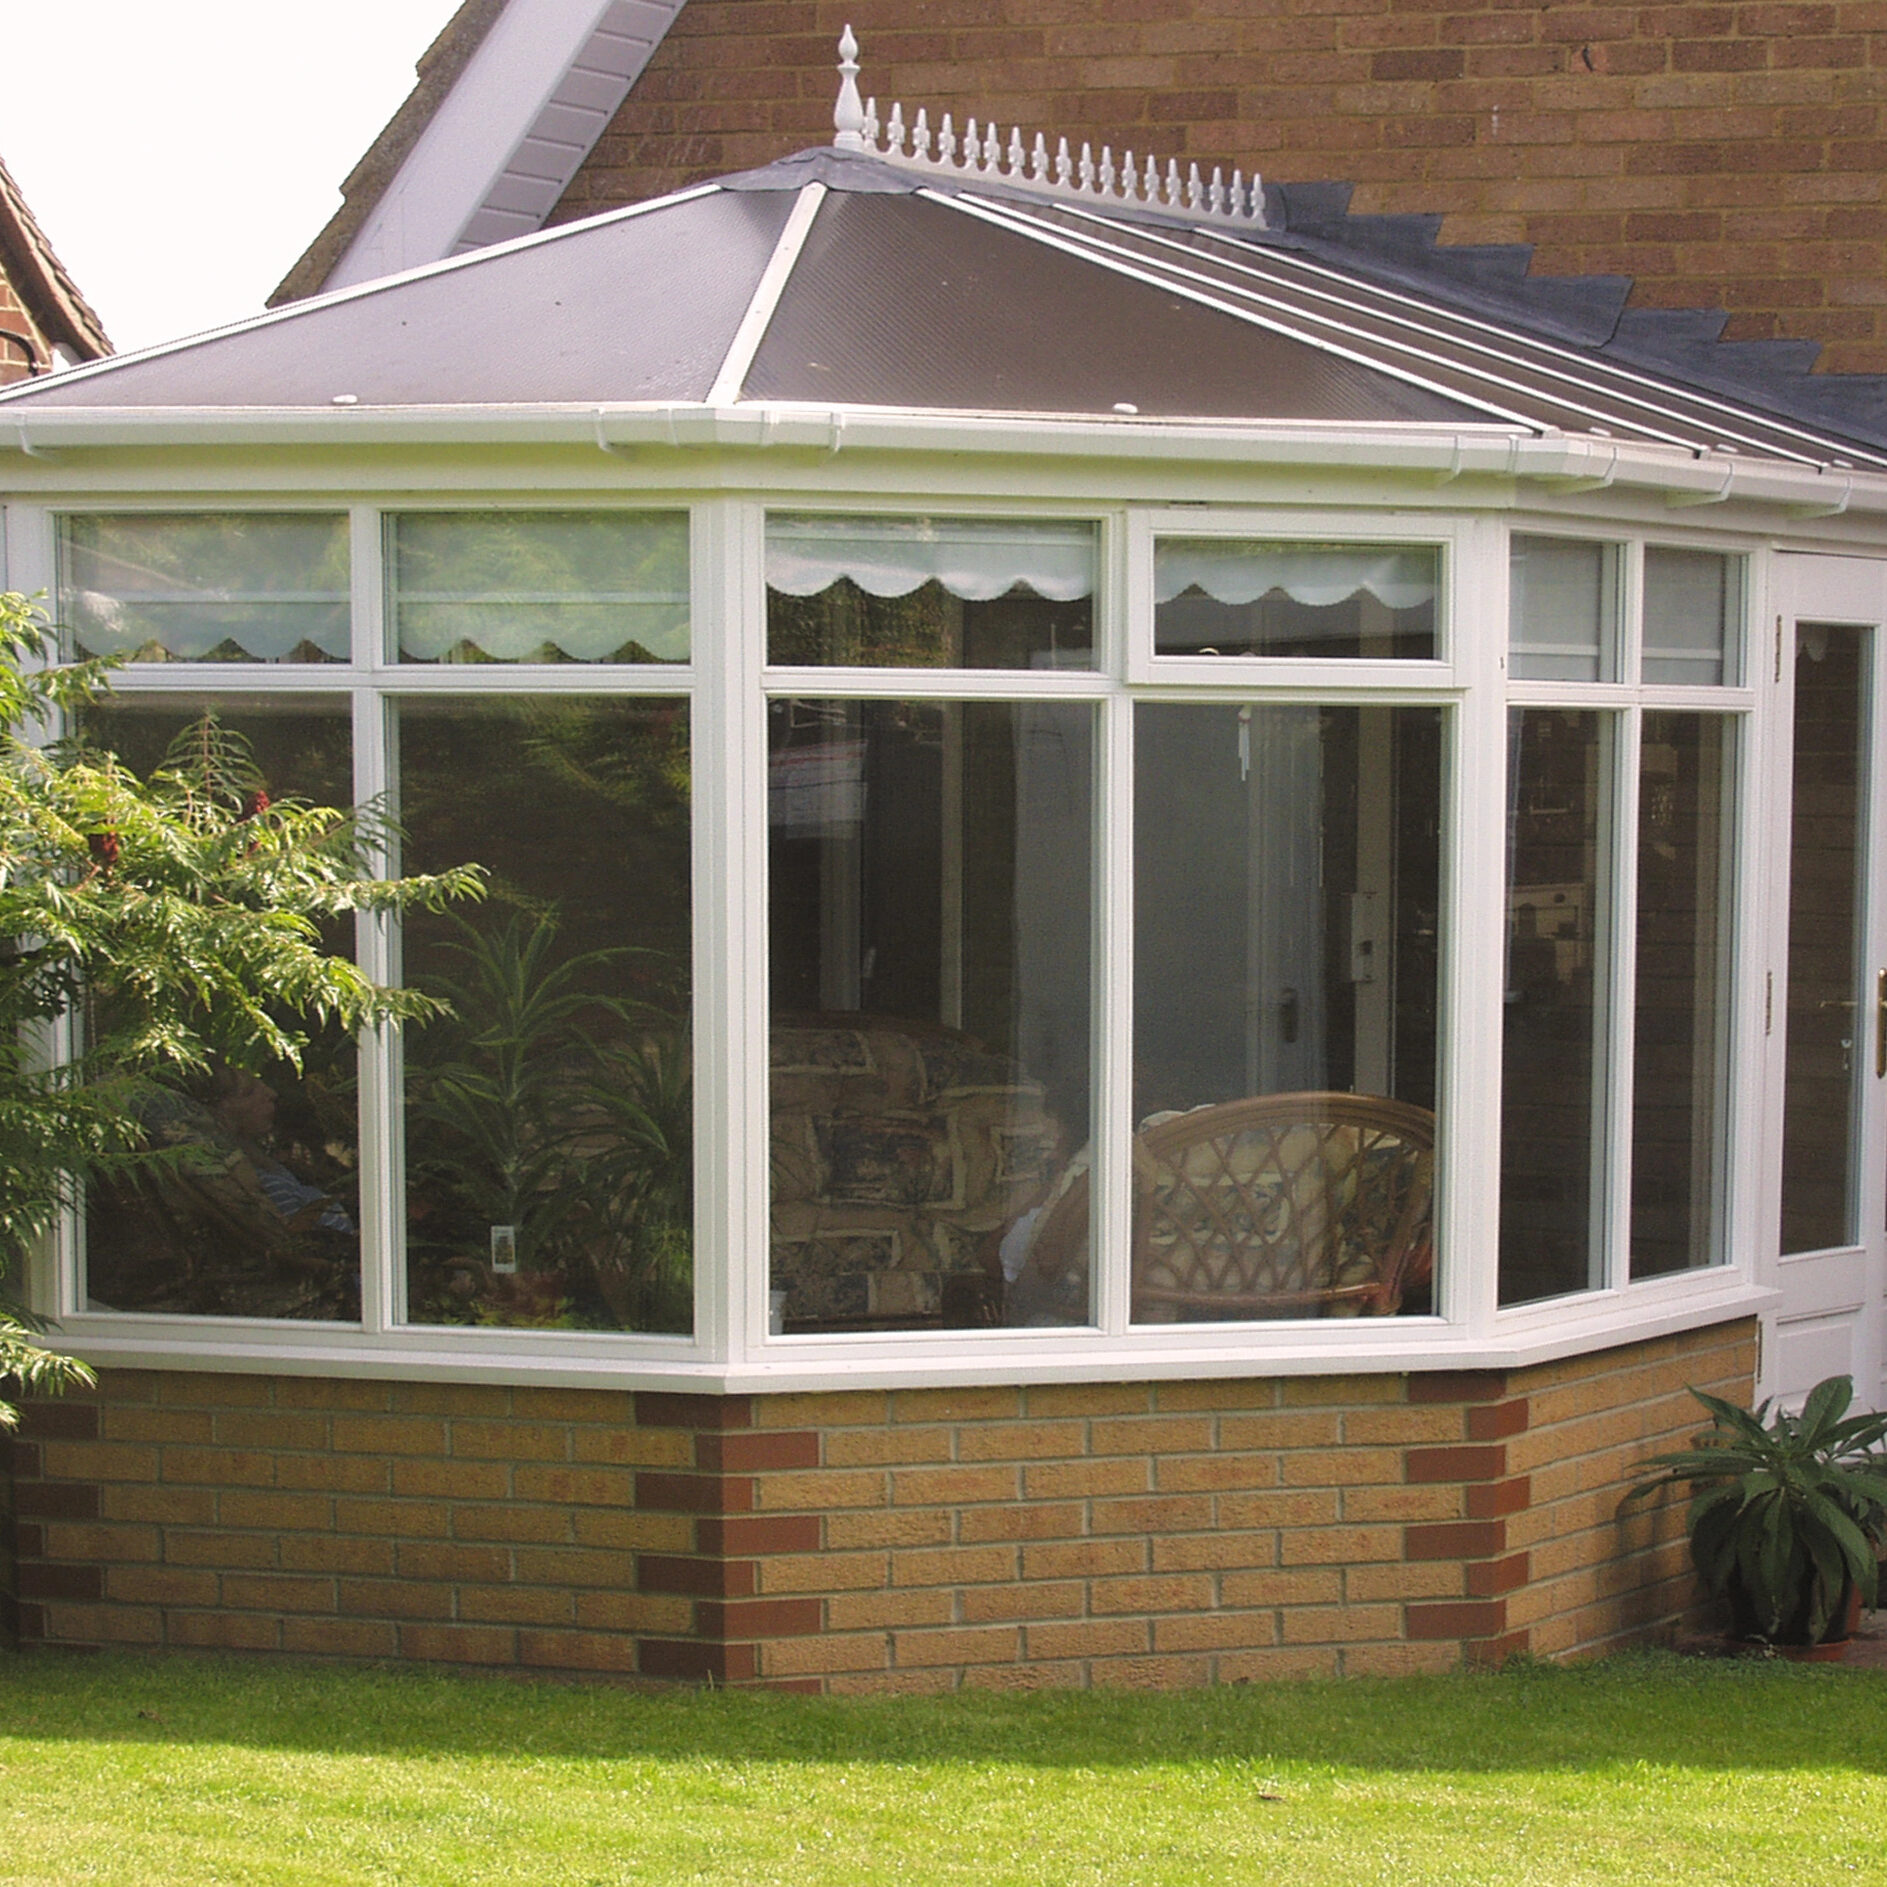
(839, 280)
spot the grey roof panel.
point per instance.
(904, 301)
(630, 307)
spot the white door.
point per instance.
(1828, 1011)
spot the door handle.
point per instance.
(1880, 1025)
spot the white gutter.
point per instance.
(1444, 452)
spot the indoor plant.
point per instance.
(1786, 1512)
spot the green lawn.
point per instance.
(152, 1771)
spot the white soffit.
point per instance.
(507, 139)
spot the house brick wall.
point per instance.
(15, 318)
(1170, 1533)
(1723, 155)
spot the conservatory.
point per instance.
(1133, 863)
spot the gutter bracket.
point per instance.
(1826, 510)
(1683, 500)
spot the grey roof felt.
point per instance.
(911, 292)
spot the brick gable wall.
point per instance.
(15, 319)
(1130, 1533)
(1725, 156)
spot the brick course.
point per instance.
(1149, 1533)
(1728, 156)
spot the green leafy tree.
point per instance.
(160, 925)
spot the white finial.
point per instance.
(1016, 158)
(871, 124)
(1129, 178)
(894, 131)
(992, 148)
(1174, 196)
(1064, 164)
(1195, 190)
(1038, 159)
(920, 134)
(972, 146)
(1238, 193)
(1104, 177)
(848, 115)
(1217, 198)
(1087, 172)
(947, 142)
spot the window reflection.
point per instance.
(549, 1162)
(1552, 1071)
(929, 897)
(258, 1213)
(1287, 873)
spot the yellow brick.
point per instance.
(1169, 1592)
(1305, 1392)
(1151, 1435)
(925, 1487)
(843, 1408)
(1343, 1467)
(953, 1566)
(147, 1424)
(886, 1447)
(462, 1398)
(974, 1644)
(1342, 1624)
(1213, 1552)
(1215, 1631)
(1071, 1480)
(956, 1405)
(1320, 1585)
(823, 1572)
(1038, 1599)
(1443, 1501)
(892, 1683)
(1186, 1473)
(1168, 1673)
(825, 1653)
(913, 1527)
(659, 1613)
(1417, 1579)
(1089, 1399)
(1405, 1426)
(633, 1447)
(1089, 1638)
(1024, 1677)
(1280, 1429)
(1083, 1559)
(1338, 1546)
(1275, 1666)
(1299, 1508)
(1020, 1441)
(819, 1493)
(1415, 1660)
(874, 1611)
(1260, 1392)
(1029, 1520)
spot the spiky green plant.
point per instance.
(156, 925)
(1786, 1510)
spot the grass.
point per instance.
(154, 1770)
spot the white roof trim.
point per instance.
(509, 136)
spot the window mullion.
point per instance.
(377, 947)
(1613, 1201)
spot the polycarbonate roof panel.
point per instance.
(639, 307)
(1547, 382)
(904, 301)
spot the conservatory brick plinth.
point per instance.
(1158, 1534)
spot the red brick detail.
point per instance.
(1500, 1498)
(1458, 1385)
(689, 1661)
(61, 1582)
(56, 1500)
(661, 1409)
(757, 1452)
(758, 1534)
(760, 1618)
(1496, 1421)
(1465, 1618)
(1461, 1539)
(1428, 1465)
(59, 1421)
(710, 1578)
(693, 1493)
(1491, 1578)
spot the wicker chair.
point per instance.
(1286, 1205)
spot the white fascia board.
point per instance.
(1445, 451)
(506, 140)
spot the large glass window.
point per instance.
(1563, 606)
(929, 593)
(1216, 596)
(1287, 880)
(539, 586)
(1693, 616)
(238, 586)
(256, 1212)
(928, 888)
(549, 1115)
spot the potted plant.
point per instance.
(1786, 1513)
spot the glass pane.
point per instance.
(1562, 610)
(929, 593)
(216, 587)
(259, 1216)
(540, 586)
(549, 1118)
(1215, 597)
(1552, 1059)
(1693, 616)
(1833, 681)
(1680, 1029)
(928, 883)
(1287, 874)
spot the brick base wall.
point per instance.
(1067, 1534)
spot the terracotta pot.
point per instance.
(1833, 1649)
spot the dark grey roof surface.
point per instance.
(913, 292)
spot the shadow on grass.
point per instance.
(1651, 1709)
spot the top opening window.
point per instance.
(930, 593)
(540, 586)
(208, 587)
(1563, 610)
(1226, 597)
(1693, 617)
